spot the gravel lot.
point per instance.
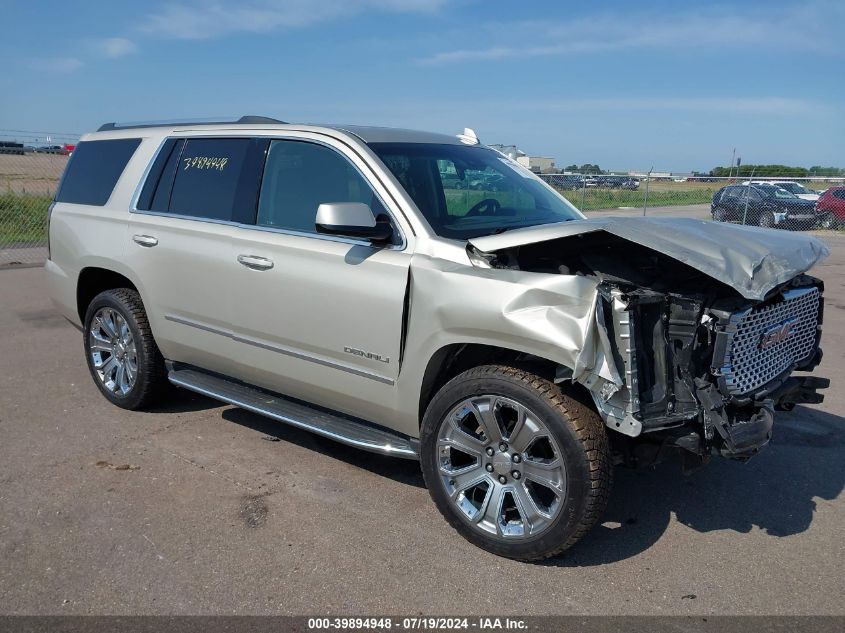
(202, 508)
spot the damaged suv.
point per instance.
(359, 283)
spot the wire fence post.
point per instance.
(583, 190)
(747, 197)
(647, 181)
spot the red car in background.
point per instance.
(831, 203)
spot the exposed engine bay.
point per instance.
(700, 366)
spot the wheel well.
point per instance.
(93, 281)
(449, 361)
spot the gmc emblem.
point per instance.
(778, 333)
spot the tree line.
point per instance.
(777, 170)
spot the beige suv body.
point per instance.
(399, 291)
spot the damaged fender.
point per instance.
(550, 316)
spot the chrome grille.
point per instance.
(759, 348)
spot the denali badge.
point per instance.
(778, 333)
(370, 355)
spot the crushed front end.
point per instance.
(705, 373)
(702, 325)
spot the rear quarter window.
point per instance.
(94, 169)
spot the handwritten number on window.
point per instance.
(216, 163)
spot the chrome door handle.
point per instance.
(255, 262)
(145, 240)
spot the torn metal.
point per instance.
(643, 313)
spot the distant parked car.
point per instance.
(51, 149)
(764, 205)
(7, 147)
(830, 208)
(630, 183)
(488, 182)
(451, 181)
(791, 186)
(564, 181)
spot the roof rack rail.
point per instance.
(249, 118)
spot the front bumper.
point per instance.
(738, 432)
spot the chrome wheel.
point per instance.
(113, 353)
(501, 467)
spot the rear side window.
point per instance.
(94, 169)
(205, 178)
(155, 196)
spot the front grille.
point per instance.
(768, 340)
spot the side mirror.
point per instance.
(351, 219)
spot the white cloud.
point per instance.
(806, 27)
(211, 19)
(113, 47)
(55, 64)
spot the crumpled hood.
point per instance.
(751, 260)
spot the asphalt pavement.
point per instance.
(200, 508)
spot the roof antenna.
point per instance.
(469, 137)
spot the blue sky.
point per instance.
(627, 85)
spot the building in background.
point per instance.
(655, 175)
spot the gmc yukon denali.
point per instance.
(349, 282)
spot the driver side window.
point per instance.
(299, 176)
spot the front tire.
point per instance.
(122, 355)
(767, 220)
(515, 465)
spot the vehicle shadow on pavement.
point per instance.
(183, 401)
(775, 492)
(400, 470)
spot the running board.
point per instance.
(335, 427)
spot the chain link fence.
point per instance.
(31, 165)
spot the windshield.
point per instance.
(793, 187)
(773, 191)
(467, 191)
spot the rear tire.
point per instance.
(829, 221)
(515, 465)
(122, 354)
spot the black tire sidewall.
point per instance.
(766, 220)
(112, 299)
(570, 517)
(829, 221)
